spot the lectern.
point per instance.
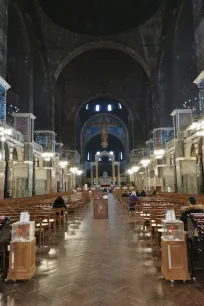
(100, 207)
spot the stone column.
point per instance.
(118, 174)
(34, 178)
(201, 174)
(7, 180)
(96, 172)
(92, 181)
(113, 171)
(24, 123)
(46, 139)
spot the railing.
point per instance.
(14, 134)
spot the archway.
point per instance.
(98, 45)
(102, 72)
(116, 148)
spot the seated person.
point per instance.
(132, 202)
(192, 208)
(59, 203)
(125, 194)
(143, 193)
(154, 193)
(137, 193)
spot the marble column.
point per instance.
(92, 181)
(24, 123)
(7, 180)
(201, 174)
(49, 136)
(96, 172)
(113, 171)
(118, 174)
(34, 178)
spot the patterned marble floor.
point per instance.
(99, 263)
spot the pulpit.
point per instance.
(100, 207)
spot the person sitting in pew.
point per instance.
(143, 193)
(132, 201)
(154, 193)
(59, 203)
(191, 208)
(125, 194)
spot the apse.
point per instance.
(92, 111)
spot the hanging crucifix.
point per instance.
(104, 130)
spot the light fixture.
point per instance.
(145, 162)
(8, 131)
(63, 163)
(130, 171)
(98, 153)
(135, 169)
(111, 152)
(73, 170)
(200, 133)
(79, 172)
(48, 155)
(159, 153)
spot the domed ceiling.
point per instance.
(99, 17)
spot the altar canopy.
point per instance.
(105, 180)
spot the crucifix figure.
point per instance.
(104, 130)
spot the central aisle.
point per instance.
(99, 262)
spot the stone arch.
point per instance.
(193, 151)
(105, 153)
(17, 150)
(188, 148)
(106, 45)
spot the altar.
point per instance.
(105, 180)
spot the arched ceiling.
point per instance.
(108, 71)
(99, 17)
(102, 69)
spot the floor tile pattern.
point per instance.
(99, 263)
